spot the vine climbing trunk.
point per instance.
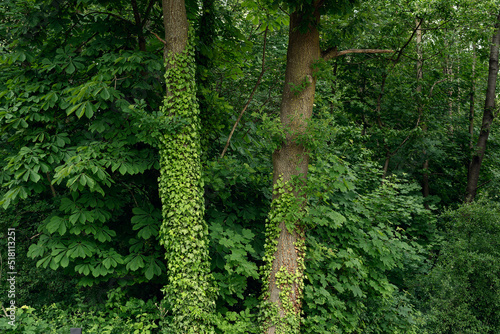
(189, 293)
(284, 269)
(488, 115)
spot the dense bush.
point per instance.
(464, 287)
(118, 315)
(360, 245)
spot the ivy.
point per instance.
(286, 211)
(190, 292)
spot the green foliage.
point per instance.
(118, 316)
(82, 121)
(190, 293)
(360, 242)
(237, 196)
(463, 288)
(286, 216)
(68, 141)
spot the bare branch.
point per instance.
(251, 95)
(5, 312)
(159, 38)
(432, 88)
(408, 42)
(36, 235)
(333, 53)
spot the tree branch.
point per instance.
(408, 42)
(159, 38)
(432, 88)
(251, 95)
(334, 53)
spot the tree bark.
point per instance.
(176, 26)
(448, 71)
(488, 115)
(138, 24)
(285, 243)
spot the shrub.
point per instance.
(116, 317)
(464, 286)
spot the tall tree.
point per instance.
(488, 115)
(285, 243)
(189, 292)
(285, 236)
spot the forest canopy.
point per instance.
(183, 166)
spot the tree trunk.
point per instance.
(138, 25)
(472, 95)
(425, 165)
(488, 114)
(449, 74)
(189, 293)
(284, 268)
(386, 163)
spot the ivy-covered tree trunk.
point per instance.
(488, 115)
(189, 294)
(284, 269)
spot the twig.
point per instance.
(36, 235)
(133, 197)
(333, 53)
(432, 88)
(161, 40)
(483, 184)
(251, 95)
(54, 194)
(5, 311)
